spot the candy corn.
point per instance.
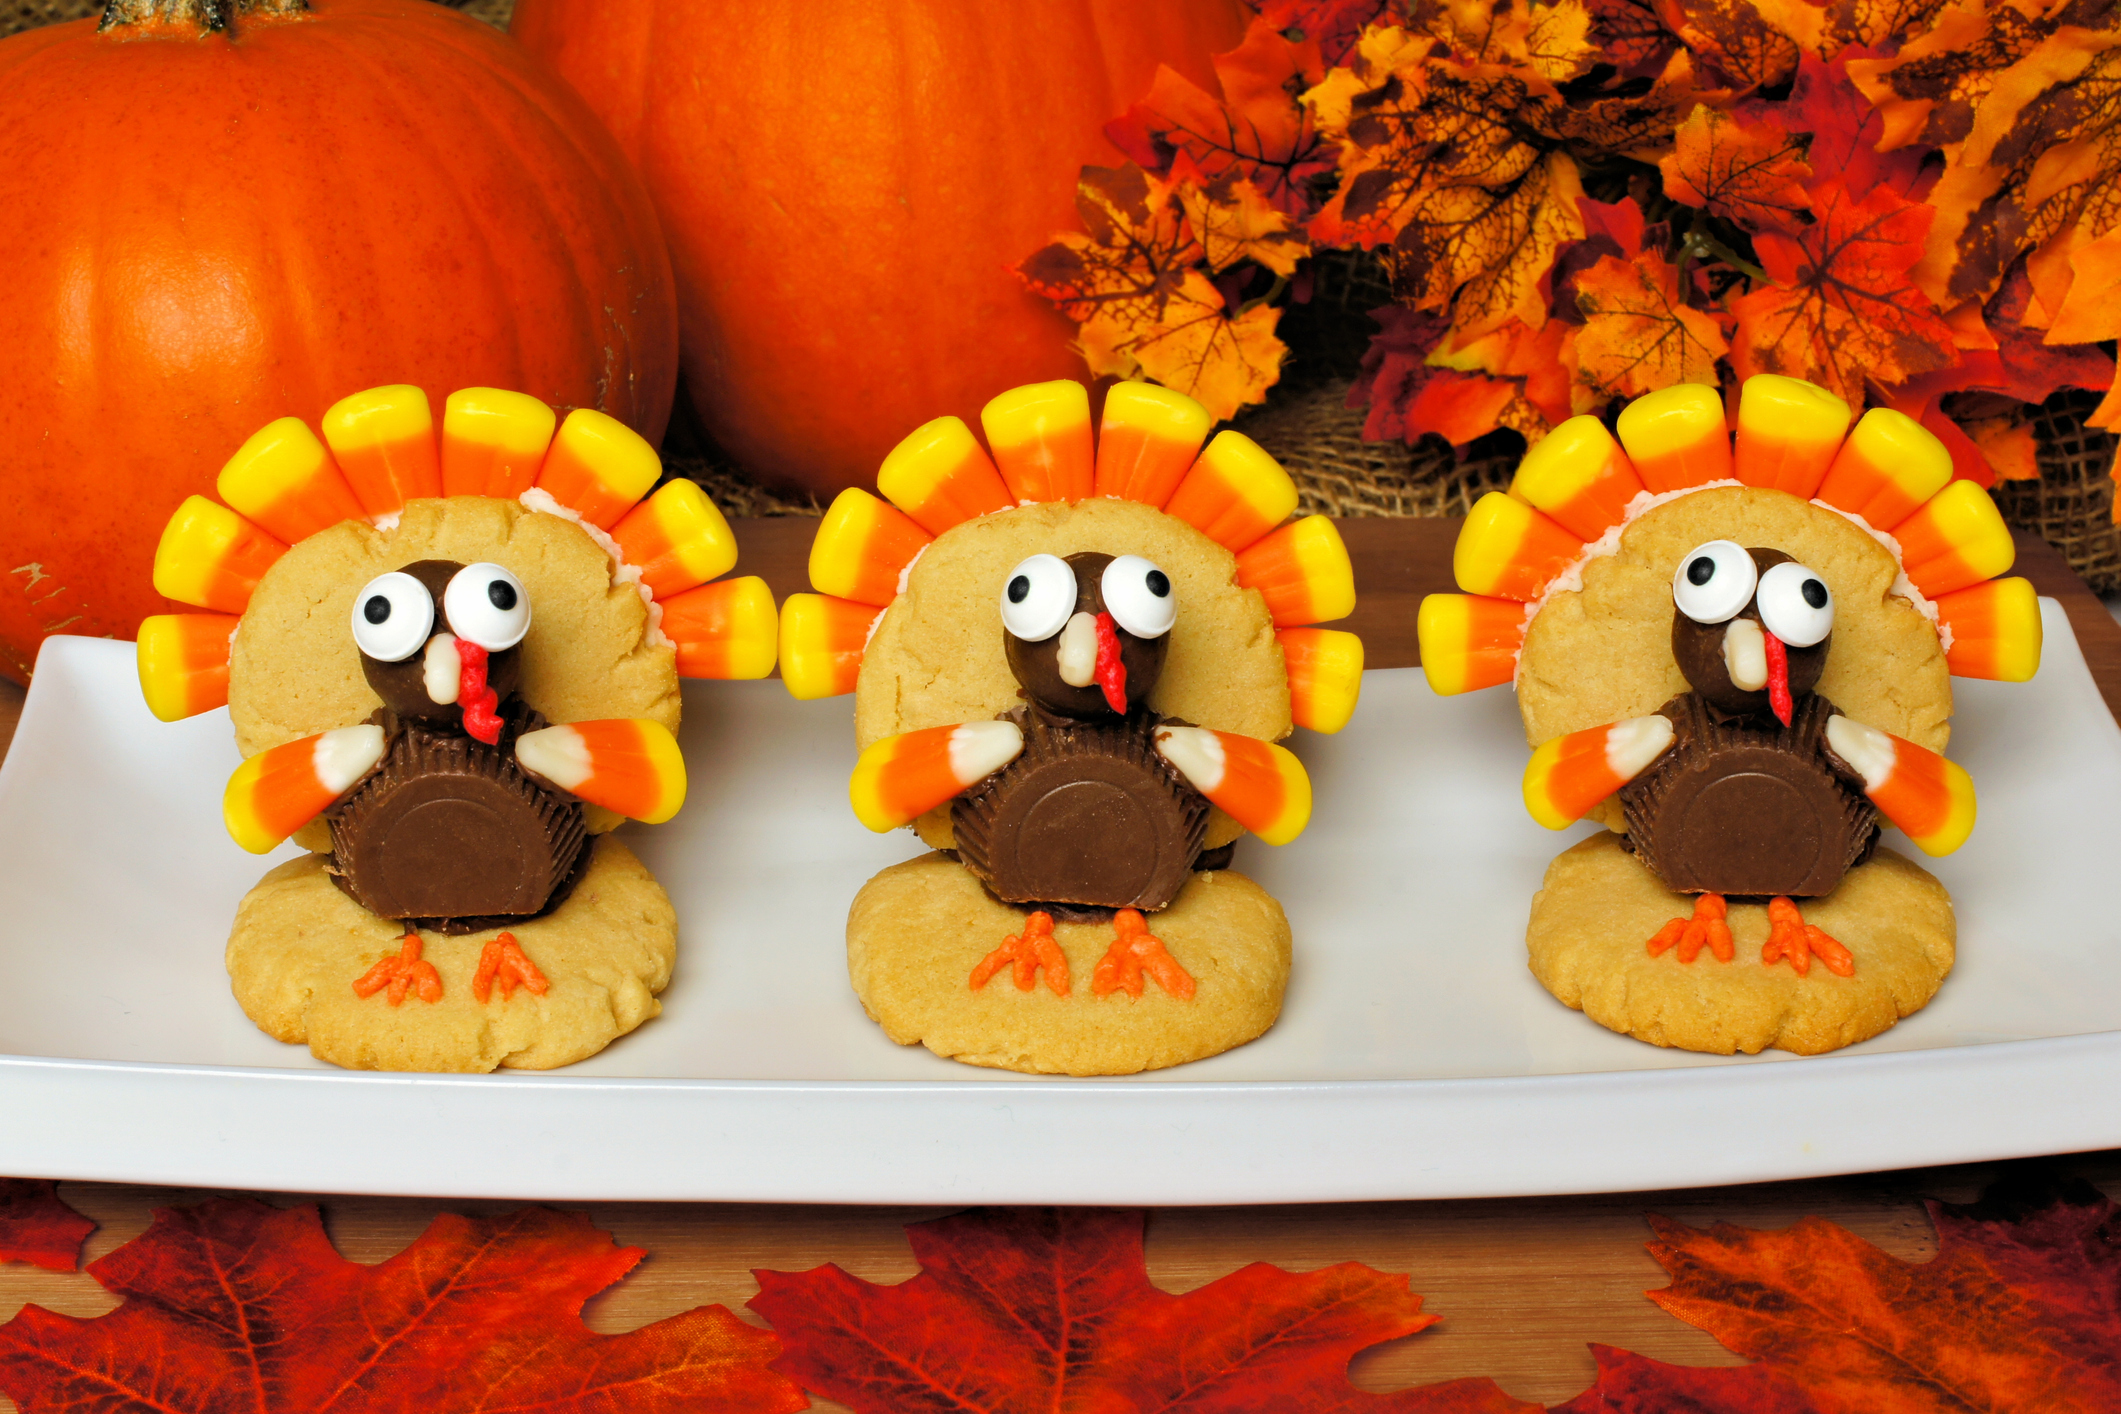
(1570, 774)
(1468, 641)
(627, 764)
(1147, 441)
(1578, 475)
(723, 630)
(211, 557)
(183, 661)
(862, 546)
(678, 539)
(1995, 628)
(598, 467)
(1930, 798)
(384, 442)
(822, 640)
(1888, 467)
(903, 777)
(1235, 493)
(284, 481)
(1788, 432)
(1325, 676)
(1040, 434)
(1261, 786)
(938, 475)
(1956, 539)
(1676, 437)
(493, 442)
(1303, 573)
(1507, 550)
(277, 792)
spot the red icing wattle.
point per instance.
(474, 696)
(1778, 676)
(1111, 669)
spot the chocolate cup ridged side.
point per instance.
(1740, 808)
(1088, 814)
(450, 828)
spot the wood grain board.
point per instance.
(1521, 1284)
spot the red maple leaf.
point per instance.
(237, 1305)
(1257, 129)
(1845, 130)
(2020, 1309)
(1842, 308)
(1634, 1384)
(35, 1226)
(1045, 1309)
(1333, 25)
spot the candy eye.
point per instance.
(487, 605)
(1795, 605)
(1714, 582)
(1138, 596)
(1038, 598)
(392, 616)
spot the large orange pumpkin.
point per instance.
(206, 230)
(846, 187)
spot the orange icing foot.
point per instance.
(502, 961)
(1690, 934)
(1028, 951)
(1792, 938)
(1134, 952)
(406, 972)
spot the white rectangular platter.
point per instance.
(1416, 1056)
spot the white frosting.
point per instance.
(387, 522)
(1570, 580)
(905, 575)
(538, 499)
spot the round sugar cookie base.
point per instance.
(1599, 907)
(917, 930)
(299, 943)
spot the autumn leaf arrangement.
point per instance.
(237, 1304)
(1913, 203)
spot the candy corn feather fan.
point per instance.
(1579, 487)
(1147, 449)
(379, 450)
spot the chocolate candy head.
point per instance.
(1733, 605)
(407, 623)
(1062, 618)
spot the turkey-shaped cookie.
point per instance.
(1071, 663)
(1740, 661)
(452, 665)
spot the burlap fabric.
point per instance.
(1307, 424)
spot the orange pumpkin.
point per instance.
(207, 230)
(847, 186)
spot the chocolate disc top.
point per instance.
(1743, 808)
(408, 684)
(1087, 814)
(1037, 664)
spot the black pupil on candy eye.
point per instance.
(1814, 593)
(502, 594)
(1020, 589)
(1158, 584)
(1701, 571)
(376, 610)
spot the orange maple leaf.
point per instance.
(2007, 445)
(2016, 1311)
(1639, 334)
(1257, 130)
(1750, 173)
(237, 1305)
(1134, 286)
(1842, 308)
(1733, 39)
(1235, 221)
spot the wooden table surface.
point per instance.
(1522, 1283)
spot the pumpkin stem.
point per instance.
(209, 16)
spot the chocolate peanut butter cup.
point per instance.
(1746, 807)
(1088, 814)
(448, 829)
